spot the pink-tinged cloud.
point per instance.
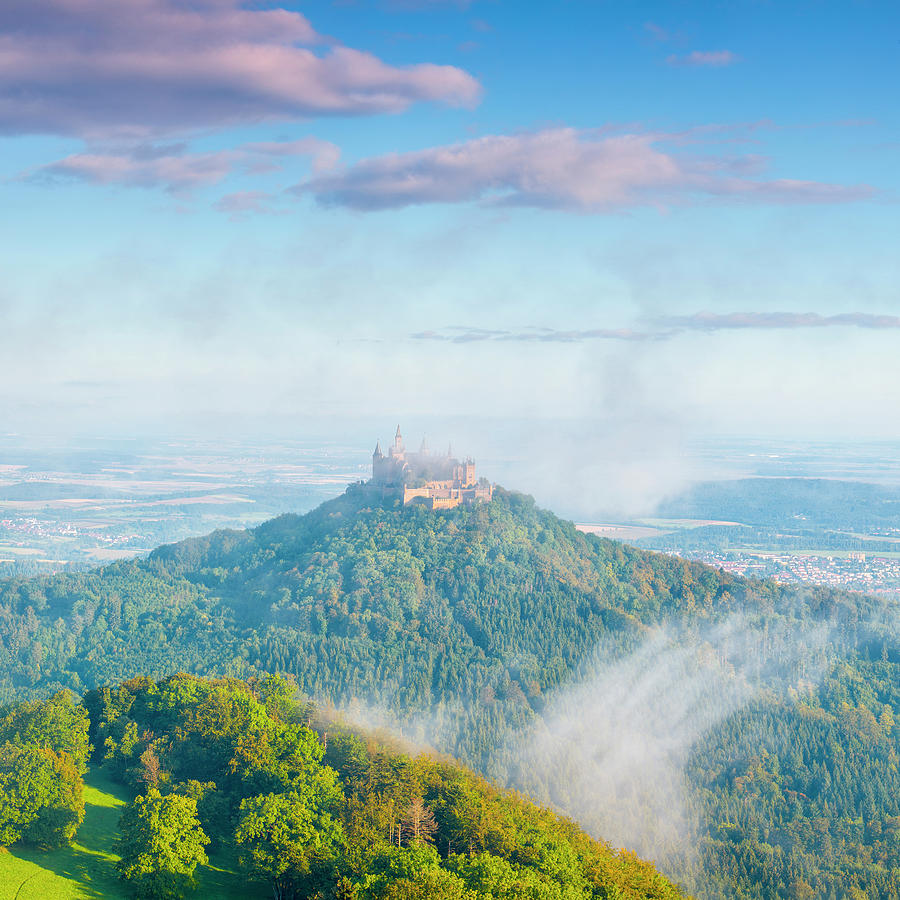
(108, 67)
(709, 321)
(426, 4)
(562, 168)
(173, 172)
(173, 168)
(324, 154)
(657, 32)
(712, 58)
(242, 203)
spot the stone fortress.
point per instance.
(437, 481)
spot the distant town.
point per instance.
(853, 571)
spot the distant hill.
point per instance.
(34, 491)
(466, 626)
(790, 503)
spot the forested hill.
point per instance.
(364, 598)
(470, 619)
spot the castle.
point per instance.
(438, 481)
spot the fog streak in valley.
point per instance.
(611, 748)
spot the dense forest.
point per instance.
(464, 627)
(303, 806)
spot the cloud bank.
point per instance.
(665, 327)
(172, 168)
(463, 335)
(100, 67)
(563, 168)
(709, 321)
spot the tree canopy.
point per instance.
(161, 844)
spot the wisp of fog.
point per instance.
(611, 748)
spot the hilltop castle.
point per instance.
(436, 480)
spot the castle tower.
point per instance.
(377, 462)
(397, 449)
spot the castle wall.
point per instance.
(445, 502)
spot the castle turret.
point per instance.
(378, 463)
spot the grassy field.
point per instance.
(679, 524)
(620, 532)
(86, 869)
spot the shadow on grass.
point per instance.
(219, 881)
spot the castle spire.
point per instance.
(378, 449)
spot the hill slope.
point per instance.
(286, 809)
(467, 625)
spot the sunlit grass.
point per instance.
(87, 868)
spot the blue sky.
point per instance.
(667, 219)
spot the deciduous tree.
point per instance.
(286, 840)
(40, 796)
(161, 845)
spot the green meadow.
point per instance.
(86, 869)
